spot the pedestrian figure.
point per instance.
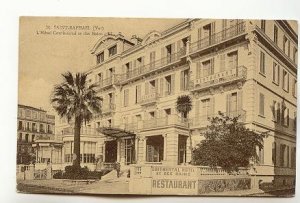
(117, 168)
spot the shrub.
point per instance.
(73, 172)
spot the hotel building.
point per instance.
(245, 68)
(36, 137)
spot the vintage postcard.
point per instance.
(198, 107)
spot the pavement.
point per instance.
(110, 184)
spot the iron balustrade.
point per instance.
(105, 82)
(218, 37)
(169, 120)
(203, 121)
(220, 77)
(152, 66)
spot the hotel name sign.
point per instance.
(174, 180)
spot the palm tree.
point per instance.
(75, 100)
(184, 106)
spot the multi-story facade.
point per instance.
(36, 136)
(239, 67)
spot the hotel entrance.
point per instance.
(155, 148)
(182, 149)
(111, 148)
(129, 151)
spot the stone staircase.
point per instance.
(112, 176)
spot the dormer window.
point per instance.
(100, 57)
(112, 51)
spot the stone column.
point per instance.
(103, 151)
(118, 151)
(136, 149)
(144, 148)
(165, 147)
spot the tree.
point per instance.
(228, 144)
(184, 106)
(75, 100)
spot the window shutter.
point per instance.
(212, 106)
(147, 88)
(228, 98)
(200, 33)
(240, 101)
(161, 86)
(222, 62)
(139, 92)
(163, 52)
(179, 45)
(197, 111)
(261, 104)
(156, 86)
(198, 70)
(212, 64)
(173, 83)
(182, 80)
(134, 64)
(173, 48)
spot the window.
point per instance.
(263, 25)
(278, 112)
(282, 152)
(184, 77)
(137, 94)
(286, 116)
(100, 77)
(126, 97)
(274, 153)
(274, 111)
(27, 113)
(293, 157)
(205, 103)
(285, 44)
(275, 34)
(208, 67)
(20, 126)
(100, 57)
(276, 73)
(112, 51)
(261, 104)
(169, 80)
(262, 68)
(152, 59)
(232, 60)
(295, 55)
(294, 90)
(285, 80)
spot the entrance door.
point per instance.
(129, 151)
(182, 149)
(111, 148)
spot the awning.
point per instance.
(116, 132)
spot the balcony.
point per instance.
(46, 137)
(219, 37)
(109, 108)
(220, 78)
(83, 131)
(203, 121)
(104, 83)
(151, 67)
(149, 99)
(163, 122)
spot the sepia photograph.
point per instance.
(157, 106)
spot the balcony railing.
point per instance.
(203, 121)
(109, 108)
(149, 98)
(105, 82)
(144, 69)
(219, 37)
(83, 131)
(170, 120)
(220, 78)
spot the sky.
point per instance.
(43, 57)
